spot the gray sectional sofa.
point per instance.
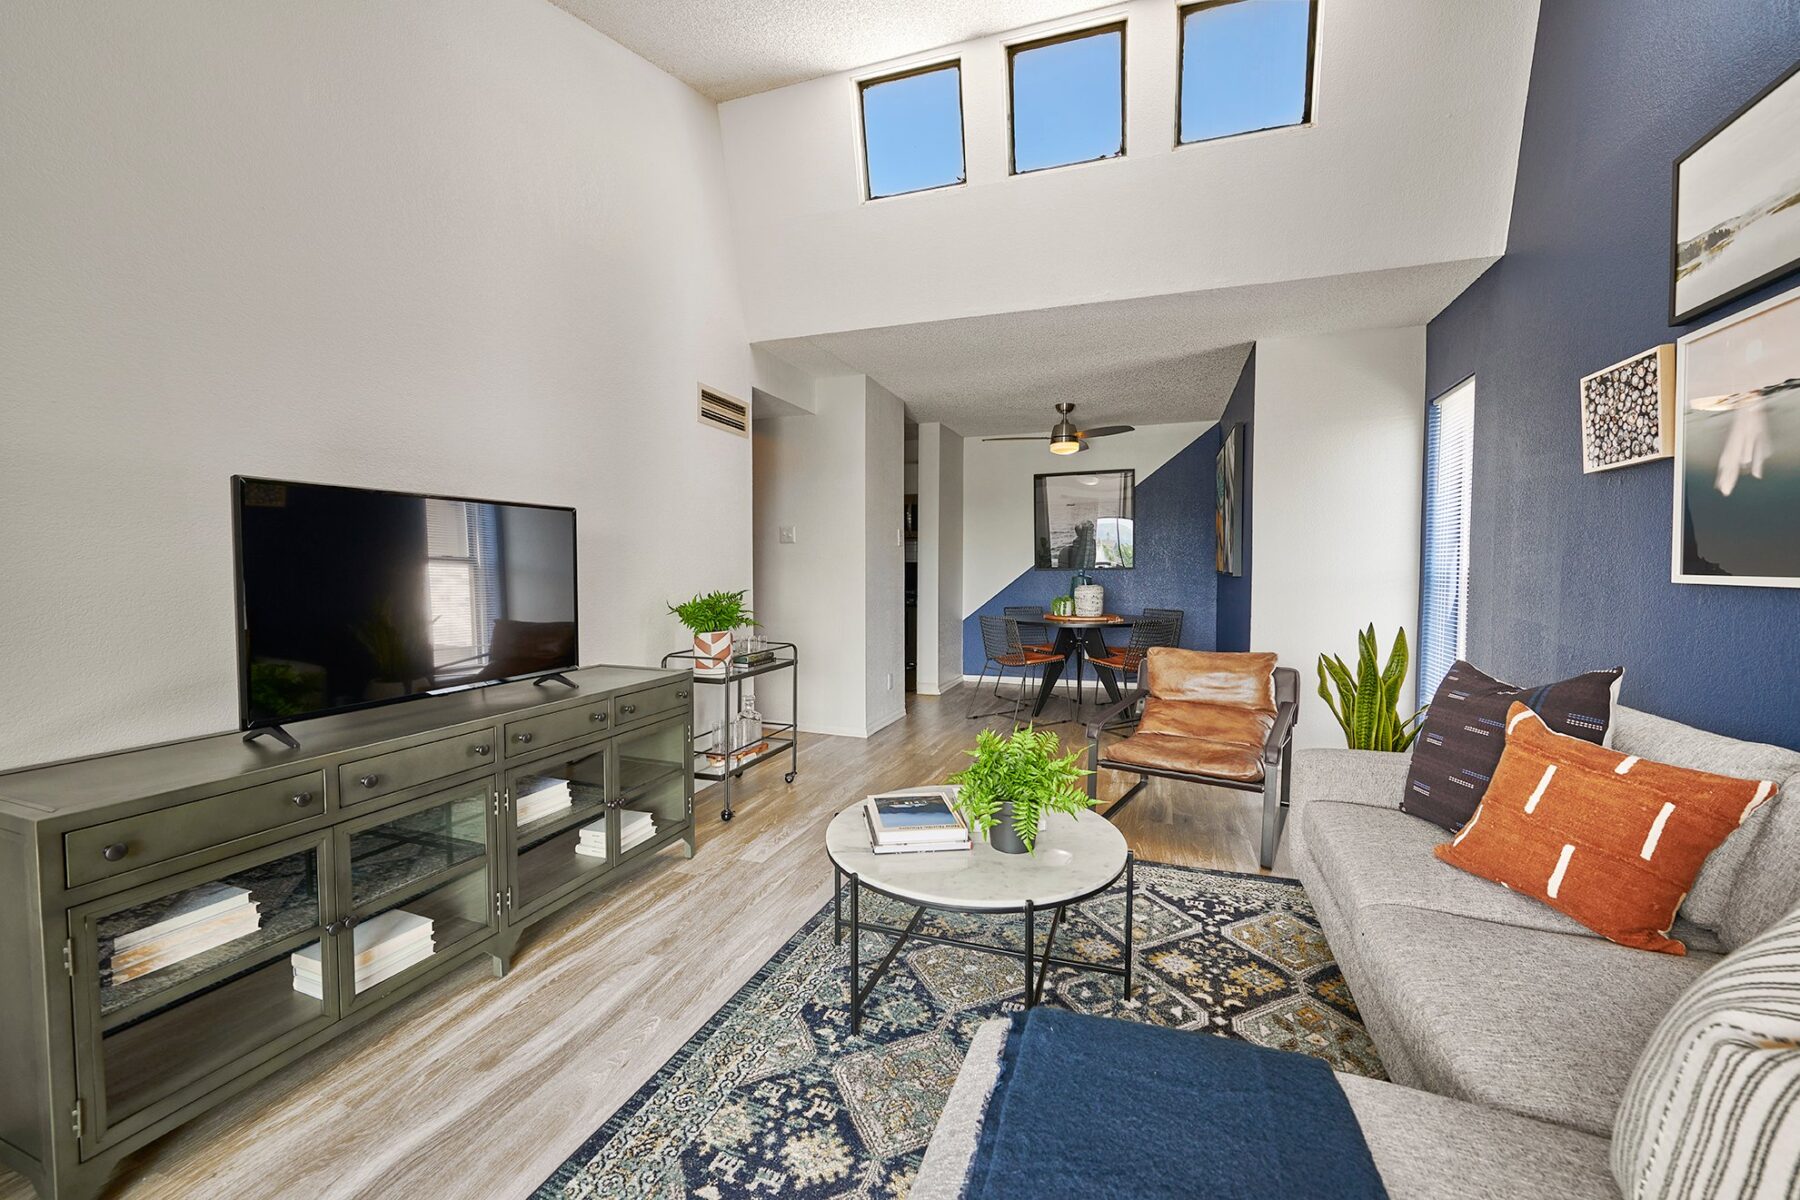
(1509, 1031)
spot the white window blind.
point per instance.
(1444, 604)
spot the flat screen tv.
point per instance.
(349, 598)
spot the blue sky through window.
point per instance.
(1243, 67)
(912, 132)
(1068, 102)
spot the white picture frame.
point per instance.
(1737, 449)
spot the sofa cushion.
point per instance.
(1547, 1025)
(1428, 1147)
(1770, 889)
(1188, 756)
(1465, 730)
(1368, 856)
(1713, 1109)
(1612, 839)
(1321, 775)
(1242, 680)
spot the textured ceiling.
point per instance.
(1141, 362)
(729, 49)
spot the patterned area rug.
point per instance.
(775, 1097)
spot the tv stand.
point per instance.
(409, 806)
(554, 677)
(275, 731)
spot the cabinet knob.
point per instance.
(682, 695)
(369, 780)
(332, 927)
(483, 750)
(302, 799)
(628, 709)
(346, 923)
(597, 716)
(114, 852)
(522, 738)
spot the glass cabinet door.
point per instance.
(653, 787)
(560, 832)
(421, 886)
(197, 974)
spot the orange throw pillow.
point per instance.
(1610, 839)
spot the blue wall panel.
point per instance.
(1174, 544)
(1571, 571)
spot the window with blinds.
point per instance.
(1444, 602)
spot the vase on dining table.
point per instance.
(1090, 600)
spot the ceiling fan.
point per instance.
(1065, 438)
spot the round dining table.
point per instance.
(1079, 639)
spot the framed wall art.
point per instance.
(1737, 449)
(1228, 504)
(1084, 518)
(1736, 219)
(1628, 411)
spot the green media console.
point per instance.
(179, 921)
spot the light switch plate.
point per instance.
(786, 535)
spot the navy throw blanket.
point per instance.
(1093, 1109)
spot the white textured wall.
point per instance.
(467, 246)
(1411, 160)
(810, 476)
(1339, 446)
(999, 498)
(940, 558)
(837, 590)
(884, 604)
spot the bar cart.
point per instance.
(721, 763)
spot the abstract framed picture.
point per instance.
(1737, 449)
(1228, 504)
(1084, 519)
(1736, 209)
(1628, 411)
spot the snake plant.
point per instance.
(1368, 700)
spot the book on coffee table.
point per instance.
(915, 820)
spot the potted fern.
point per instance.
(1014, 782)
(711, 618)
(1367, 705)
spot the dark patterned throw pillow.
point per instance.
(1465, 732)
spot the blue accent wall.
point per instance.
(1232, 629)
(1173, 539)
(1571, 571)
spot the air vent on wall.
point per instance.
(722, 412)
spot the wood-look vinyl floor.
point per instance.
(480, 1087)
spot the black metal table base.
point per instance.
(1037, 966)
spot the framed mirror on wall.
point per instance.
(1084, 519)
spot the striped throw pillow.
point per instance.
(1712, 1111)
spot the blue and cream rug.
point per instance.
(776, 1098)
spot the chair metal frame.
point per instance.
(1277, 756)
(997, 631)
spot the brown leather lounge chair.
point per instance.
(1222, 719)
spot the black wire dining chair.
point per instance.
(1001, 644)
(1148, 632)
(1033, 633)
(1176, 615)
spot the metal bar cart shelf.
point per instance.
(782, 737)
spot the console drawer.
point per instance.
(385, 774)
(102, 851)
(524, 736)
(653, 702)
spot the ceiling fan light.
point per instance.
(1065, 446)
(1064, 439)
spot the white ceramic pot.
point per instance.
(712, 652)
(1090, 600)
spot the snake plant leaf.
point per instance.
(1367, 704)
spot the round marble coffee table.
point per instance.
(1076, 859)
